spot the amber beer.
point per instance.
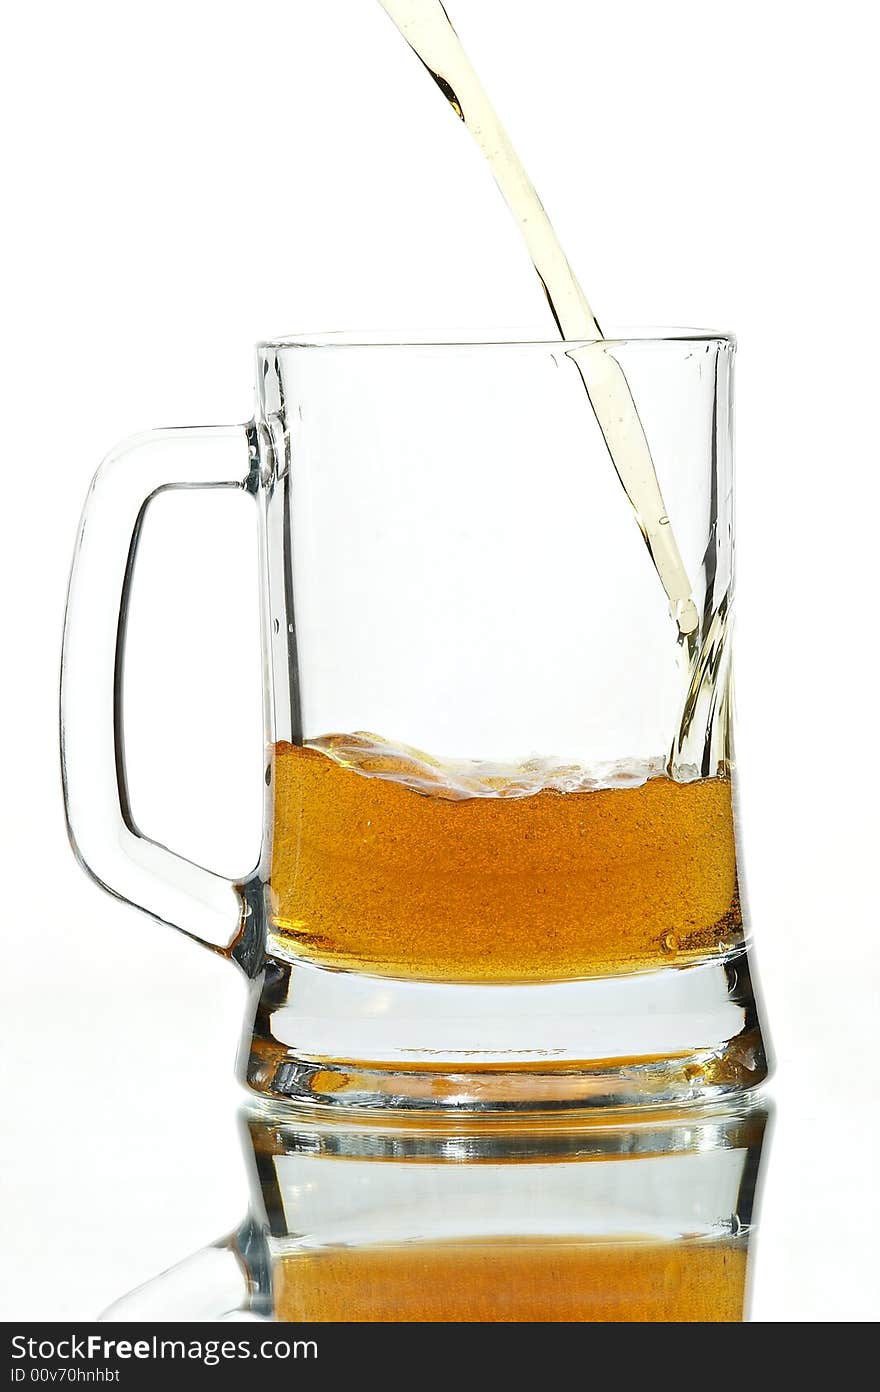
(517, 1279)
(389, 862)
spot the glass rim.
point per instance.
(489, 338)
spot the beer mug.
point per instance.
(593, 1218)
(499, 865)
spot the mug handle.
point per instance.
(203, 905)
(211, 1285)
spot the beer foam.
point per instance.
(456, 779)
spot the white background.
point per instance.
(184, 178)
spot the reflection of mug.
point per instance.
(497, 1221)
(499, 859)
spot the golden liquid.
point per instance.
(367, 873)
(516, 1279)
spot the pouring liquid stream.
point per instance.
(429, 32)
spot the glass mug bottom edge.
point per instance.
(339, 1040)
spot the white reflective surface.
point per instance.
(113, 1171)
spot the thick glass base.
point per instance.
(338, 1039)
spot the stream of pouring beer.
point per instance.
(428, 30)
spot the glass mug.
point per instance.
(499, 862)
(594, 1218)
